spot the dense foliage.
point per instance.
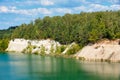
(81, 28)
(3, 44)
(5, 36)
(6, 33)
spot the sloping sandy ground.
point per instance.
(104, 50)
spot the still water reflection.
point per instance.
(34, 67)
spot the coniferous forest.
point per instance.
(83, 28)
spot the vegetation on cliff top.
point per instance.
(81, 28)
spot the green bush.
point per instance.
(3, 44)
(73, 49)
(60, 49)
(52, 50)
(42, 50)
(28, 49)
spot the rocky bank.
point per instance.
(104, 50)
(40, 47)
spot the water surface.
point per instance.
(34, 67)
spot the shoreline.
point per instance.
(103, 51)
(68, 56)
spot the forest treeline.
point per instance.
(5, 36)
(6, 33)
(83, 28)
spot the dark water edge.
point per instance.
(20, 66)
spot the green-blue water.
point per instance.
(35, 67)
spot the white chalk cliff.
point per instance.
(17, 45)
(39, 46)
(32, 46)
(105, 50)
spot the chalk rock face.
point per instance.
(104, 50)
(17, 45)
(33, 46)
(43, 46)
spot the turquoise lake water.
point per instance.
(34, 67)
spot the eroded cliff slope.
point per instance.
(105, 50)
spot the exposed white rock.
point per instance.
(32, 46)
(46, 44)
(104, 50)
(17, 45)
